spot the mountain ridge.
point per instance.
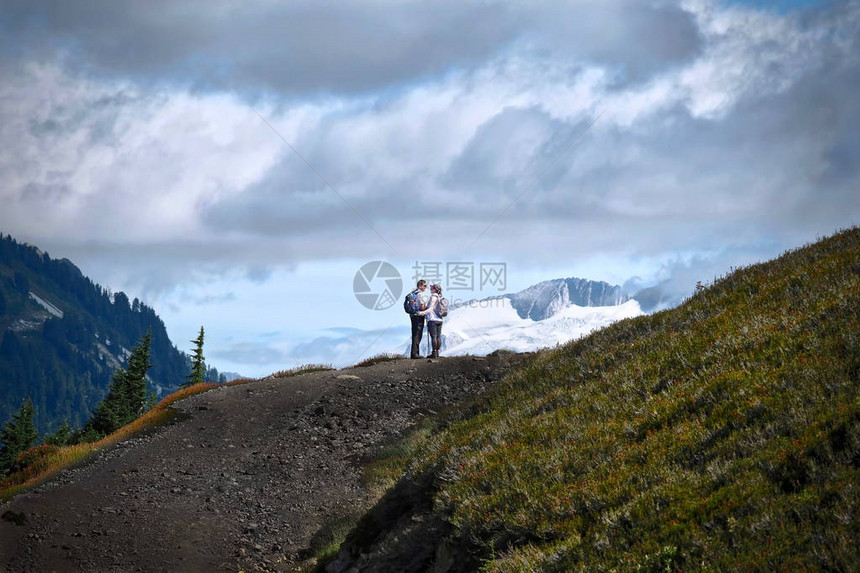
(64, 335)
(545, 299)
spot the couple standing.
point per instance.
(430, 309)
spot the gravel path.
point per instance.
(241, 480)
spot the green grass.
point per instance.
(387, 465)
(720, 435)
(325, 542)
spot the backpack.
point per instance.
(411, 304)
(442, 307)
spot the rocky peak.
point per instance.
(545, 299)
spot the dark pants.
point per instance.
(417, 333)
(435, 330)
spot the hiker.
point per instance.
(434, 314)
(420, 303)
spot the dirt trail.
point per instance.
(241, 480)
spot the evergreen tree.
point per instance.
(212, 375)
(138, 365)
(109, 412)
(151, 400)
(198, 366)
(61, 436)
(126, 396)
(18, 435)
(21, 283)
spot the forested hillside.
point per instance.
(63, 336)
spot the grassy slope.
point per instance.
(723, 435)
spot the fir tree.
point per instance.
(17, 435)
(62, 436)
(151, 400)
(198, 366)
(138, 365)
(126, 396)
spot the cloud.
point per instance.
(664, 36)
(337, 47)
(351, 348)
(248, 48)
(250, 354)
(676, 278)
(116, 162)
(484, 149)
(211, 299)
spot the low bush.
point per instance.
(304, 369)
(385, 357)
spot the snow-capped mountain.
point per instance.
(546, 314)
(548, 298)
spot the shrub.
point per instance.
(304, 369)
(385, 357)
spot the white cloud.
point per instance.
(92, 160)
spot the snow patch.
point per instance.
(47, 305)
(475, 330)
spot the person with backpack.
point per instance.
(437, 309)
(414, 304)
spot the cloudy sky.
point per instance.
(234, 164)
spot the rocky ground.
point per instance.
(241, 480)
